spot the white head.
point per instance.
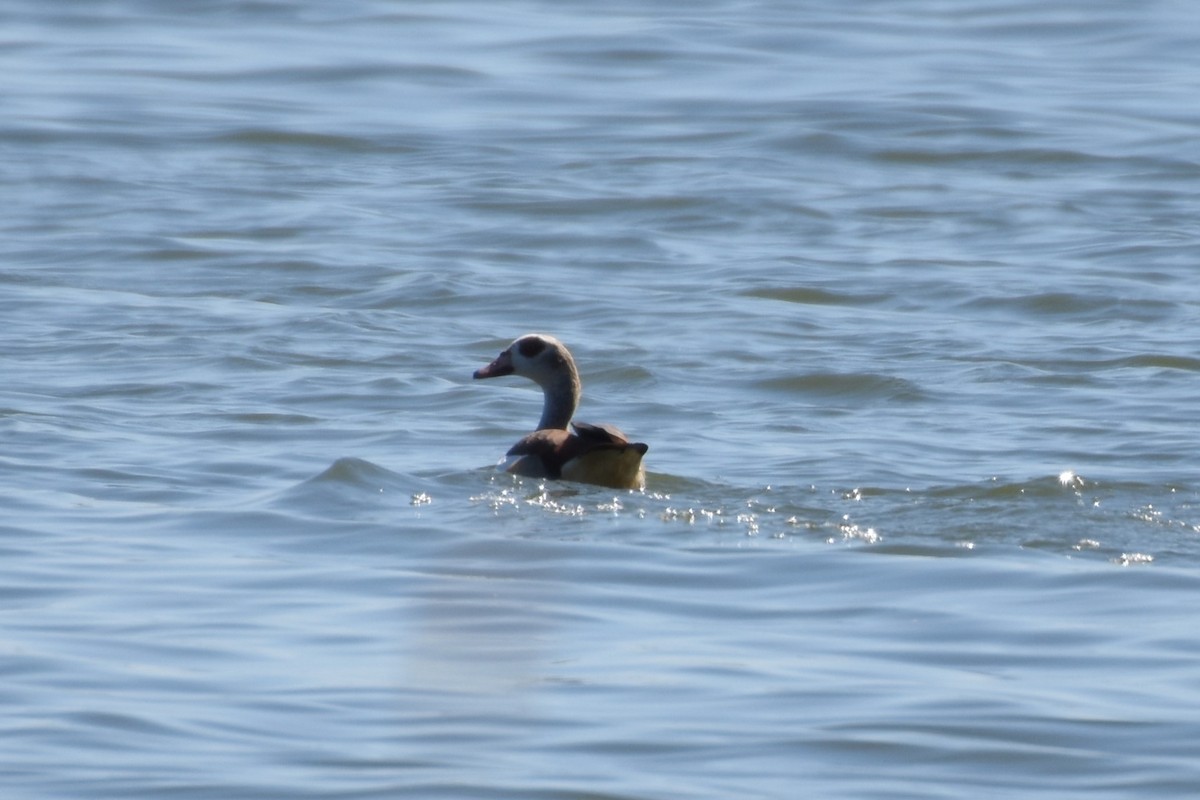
(547, 362)
(537, 356)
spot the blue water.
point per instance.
(902, 296)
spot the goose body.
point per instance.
(560, 448)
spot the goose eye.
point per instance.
(531, 347)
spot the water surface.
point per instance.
(901, 295)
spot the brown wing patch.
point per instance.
(543, 453)
(600, 434)
(597, 454)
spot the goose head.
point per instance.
(546, 361)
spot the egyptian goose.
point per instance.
(598, 454)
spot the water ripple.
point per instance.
(902, 301)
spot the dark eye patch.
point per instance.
(531, 346)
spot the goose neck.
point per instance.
(560, 401)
